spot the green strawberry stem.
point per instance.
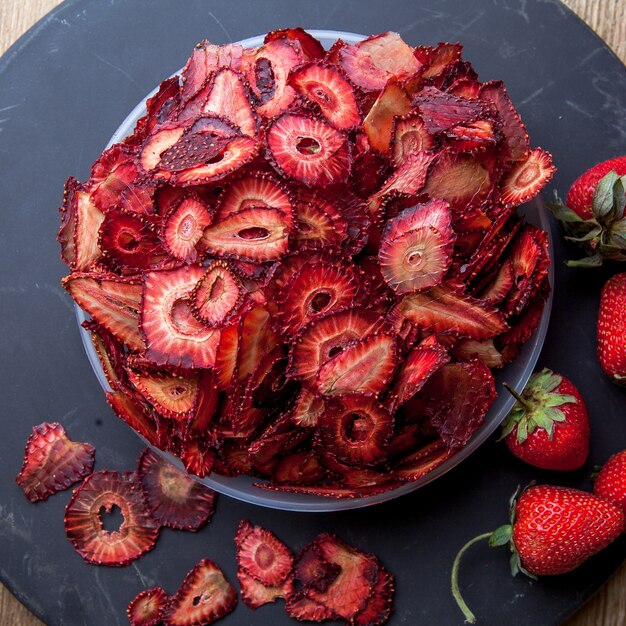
(469, 616)
(517, 396)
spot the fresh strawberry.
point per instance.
(610, 483)
(593, 214)
(548, 427)
(553, 530)
(612, 328)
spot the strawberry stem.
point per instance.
(516, 396)
(469, 616)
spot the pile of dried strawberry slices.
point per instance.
(303, 265)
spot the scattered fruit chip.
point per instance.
(173, 498)
(52, 462)
(148, 607)
(100, 492)
(300, 259)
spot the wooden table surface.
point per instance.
(608, 19)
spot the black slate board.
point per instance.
(65, 86)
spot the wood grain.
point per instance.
(608, 19)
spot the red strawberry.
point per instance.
(593, 213)
(610, 483)
(612, 328)
(548, 427)
(553, 530)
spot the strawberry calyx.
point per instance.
(537, 407)
(603, 235)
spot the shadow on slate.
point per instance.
(64, 88)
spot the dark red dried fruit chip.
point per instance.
(148, 607)
(100, 492)
(313, 571)
(52, 462)
(254, 594)
(218, 295)
(174, 499)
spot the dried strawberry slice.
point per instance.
(435, 213)
(112, 301)
(113, 172)
(422, 461)
(380, 603)
(516, 144)
(347, 595)
(441, 111)
(162, 138)
(501, 285)
(416, 260)
(227, 354)
(308, 407)
(174, 499)
(302, 608)
(299, 467)
(409, 135)
(472, 135)
(172, 395)
(313, 571)
(80, 221)
(355, 429)
(444, 309)
(527, 178)
(110, 351)
(316, 228)
(378, 123)
(204, 597)
(52, 462)
(135, 413)
(254, 234)
(257, 339)
(218, 295)
(262, 555)
(334, 490)
(438, 58)
(366, 366)
(373, 61)
(100, 492)
(458, 396)
(326, 86)
(420, 364)
(183, 228)
(486, 351)
(127, 240)
(316, 290)
(197, 457)
(148, 607)
(311, 47)
(254, 594)
(228, 97)
(309, 150)
(326, 337)
(254, 189)
(161, 107)
(173, 336)
(267, 71)
(139, 199)
(204, 60)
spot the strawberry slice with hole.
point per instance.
(516, 145)
(52, 462)
(326, 86)
(174, 499)
(458, 396)
(316, 228)
(204, 597)
(262, 555)
(218, 295)
(311, 47)
(229, 98)
(366, 366)
(173, 336)
(443, 309)
(99, 493)
(527, 178)
(267, 70)
(183, 228)
(392, 101)
(324, 338)
(148, 607)
(409, 135)
(313, 571)
(254, 594)
(347, 595)
(355, 429)
(309, 150)
(172, 395)
(316, 290)
(204, 61)
(112, 301)
(420, 364)
(257, 233)
(255, 189)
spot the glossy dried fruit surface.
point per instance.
(299, 253)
